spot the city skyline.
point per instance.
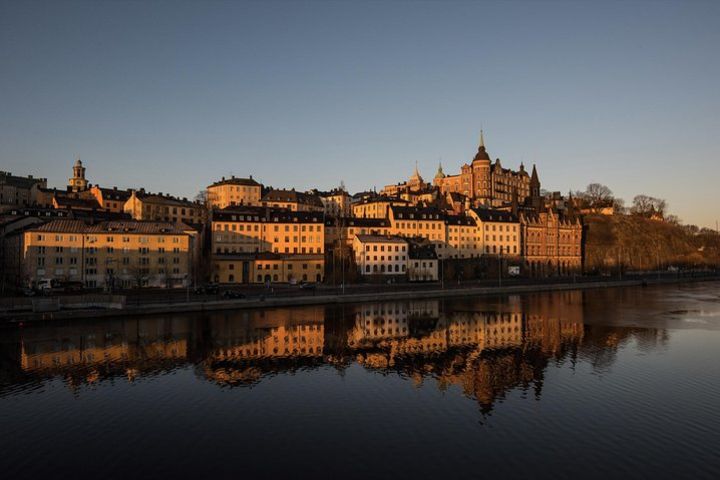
(308, 97)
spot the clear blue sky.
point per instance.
(171, 96)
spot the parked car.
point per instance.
(28, 292)
(232, 294)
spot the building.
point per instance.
(17, 191)
(422, 263)
(551, 243)
(255, 245)
(414, 184)
(267, 268)
(164, 208)
(234, 191)
(487, 183)
(336, 203)
(380, 255)
(118, 254)
(377, 206)
(109, 199)
(292, 200)
(498, 231)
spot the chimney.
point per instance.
(223, 179)
(30, 177)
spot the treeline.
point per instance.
(634, 242)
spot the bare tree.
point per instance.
(598, 196)
(649, 207)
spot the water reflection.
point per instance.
(484, 347)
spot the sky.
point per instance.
(171, 96)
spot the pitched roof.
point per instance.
(417, 213)
(265, 214)
(488, 215)
(128, 226)
(281, 195)
(236, 181)
(75, 202)
(368, 238)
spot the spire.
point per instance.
(440, 173)
(534, 175)
(481, 153)
(417, 174)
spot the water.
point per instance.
(614, 382)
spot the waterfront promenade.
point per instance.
(179, 300)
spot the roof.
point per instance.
(488, 215)
(415, 213)
(382, 199)
(365, 238)
(366, 222)
(160, 199)
(114, 193)
(281, 195)
(74, 202)
(422, 252)
(481, 154)
(460, 220)
(268, 256)
(265, 214)
(236, 181)
(128, 226)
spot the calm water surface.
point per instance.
(615, 382)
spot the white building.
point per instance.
(380, 255)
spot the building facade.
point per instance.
(487, 183)
(254, 245)
(551, 243)
(17, 191)
(118, 254)
(234, 191)
(164, 208)
(380, 255)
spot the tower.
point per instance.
(78, 183)
(482, 176)
(535, 189)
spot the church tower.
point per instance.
(535, 189)
(481, 173)
(78, 183)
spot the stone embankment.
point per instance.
(118, 308)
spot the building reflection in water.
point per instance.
(484, 347)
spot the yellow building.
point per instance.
(163, 208)
(377, 207)
(112, 253)
(336, 203)
(253, 245)
(499, 231)
(110, 199)
(234, 191)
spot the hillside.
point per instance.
(639, 243)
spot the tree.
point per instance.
(648, 207)
(598, 196)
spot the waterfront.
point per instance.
(558, 384)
